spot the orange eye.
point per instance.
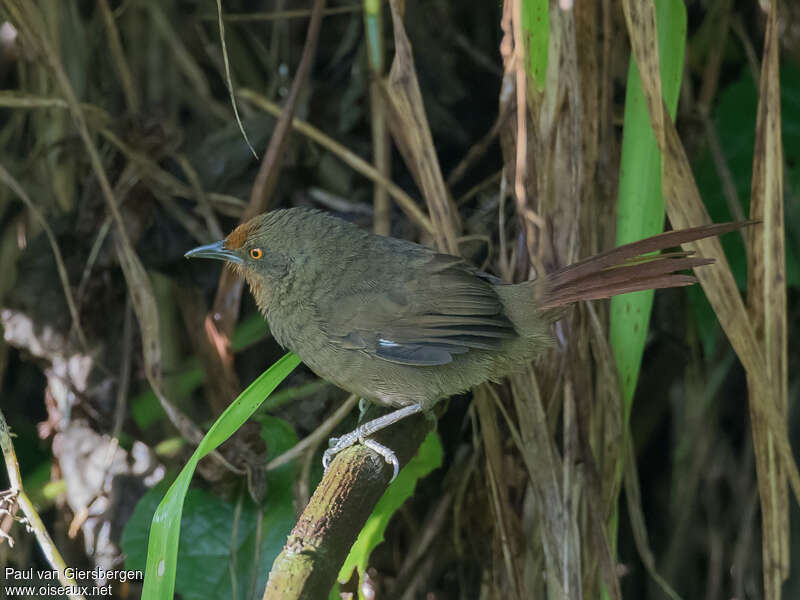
(256, 253)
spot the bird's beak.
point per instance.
(216, 250)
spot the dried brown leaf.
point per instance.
(350, 158)
(640, 16)
(28, 21)
(560, 534)
(767, 308)
(504, 515)
(411, 132)
(762, 353)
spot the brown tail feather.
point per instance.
(624, 269)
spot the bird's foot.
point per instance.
(358, 437)
(387, 453)
(336, 445)
(361, 436)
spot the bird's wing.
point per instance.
(421, 316)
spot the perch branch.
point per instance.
(320, 541)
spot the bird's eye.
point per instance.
(256, 253)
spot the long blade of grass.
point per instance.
(162, 547)
(685, 208)
(406, 203)
(381, 148)
(28, 19)
(411, 131)
(229, 78)
(766, 297)
(640, 206)
(536, 30)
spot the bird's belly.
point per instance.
(393, 384)
(376, 379)
(370, 378)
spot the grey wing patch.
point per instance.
(445, 310)
(419, 355)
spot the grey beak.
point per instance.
(216, 250)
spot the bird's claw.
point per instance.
(326, 460)
(387, 453)
(356, 437)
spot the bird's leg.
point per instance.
(362, 432)
(363, 407)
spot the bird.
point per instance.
(404, 326)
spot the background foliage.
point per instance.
(86, 388)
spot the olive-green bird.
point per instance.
(404, 326)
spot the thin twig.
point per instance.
(229, 290)
(337, 203)
(268, 172)
(430, 531)
(724, 171)
(719, 16)
(49, 549)
(229, 77)
(124, 379)
(358, 164)
(314, 438)
(129, 89)
(752, 58)
(479, 187)
(479, 148)
(280, 15)
(94, 253)
(203, 203)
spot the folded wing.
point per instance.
(423, 317)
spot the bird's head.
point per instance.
(255, 250)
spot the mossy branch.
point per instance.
(318, 545)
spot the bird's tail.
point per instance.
(629, 269)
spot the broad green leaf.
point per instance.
(212, 561)
(536, 28)
(640, 206)
(162, 548)
(734, 118)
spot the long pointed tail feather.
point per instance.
(625, 269)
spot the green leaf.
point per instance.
(536, 28)
(734, 117)
(428, 458)
(162, 547)
(213, 562)
(279, 437)
(640, 206)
